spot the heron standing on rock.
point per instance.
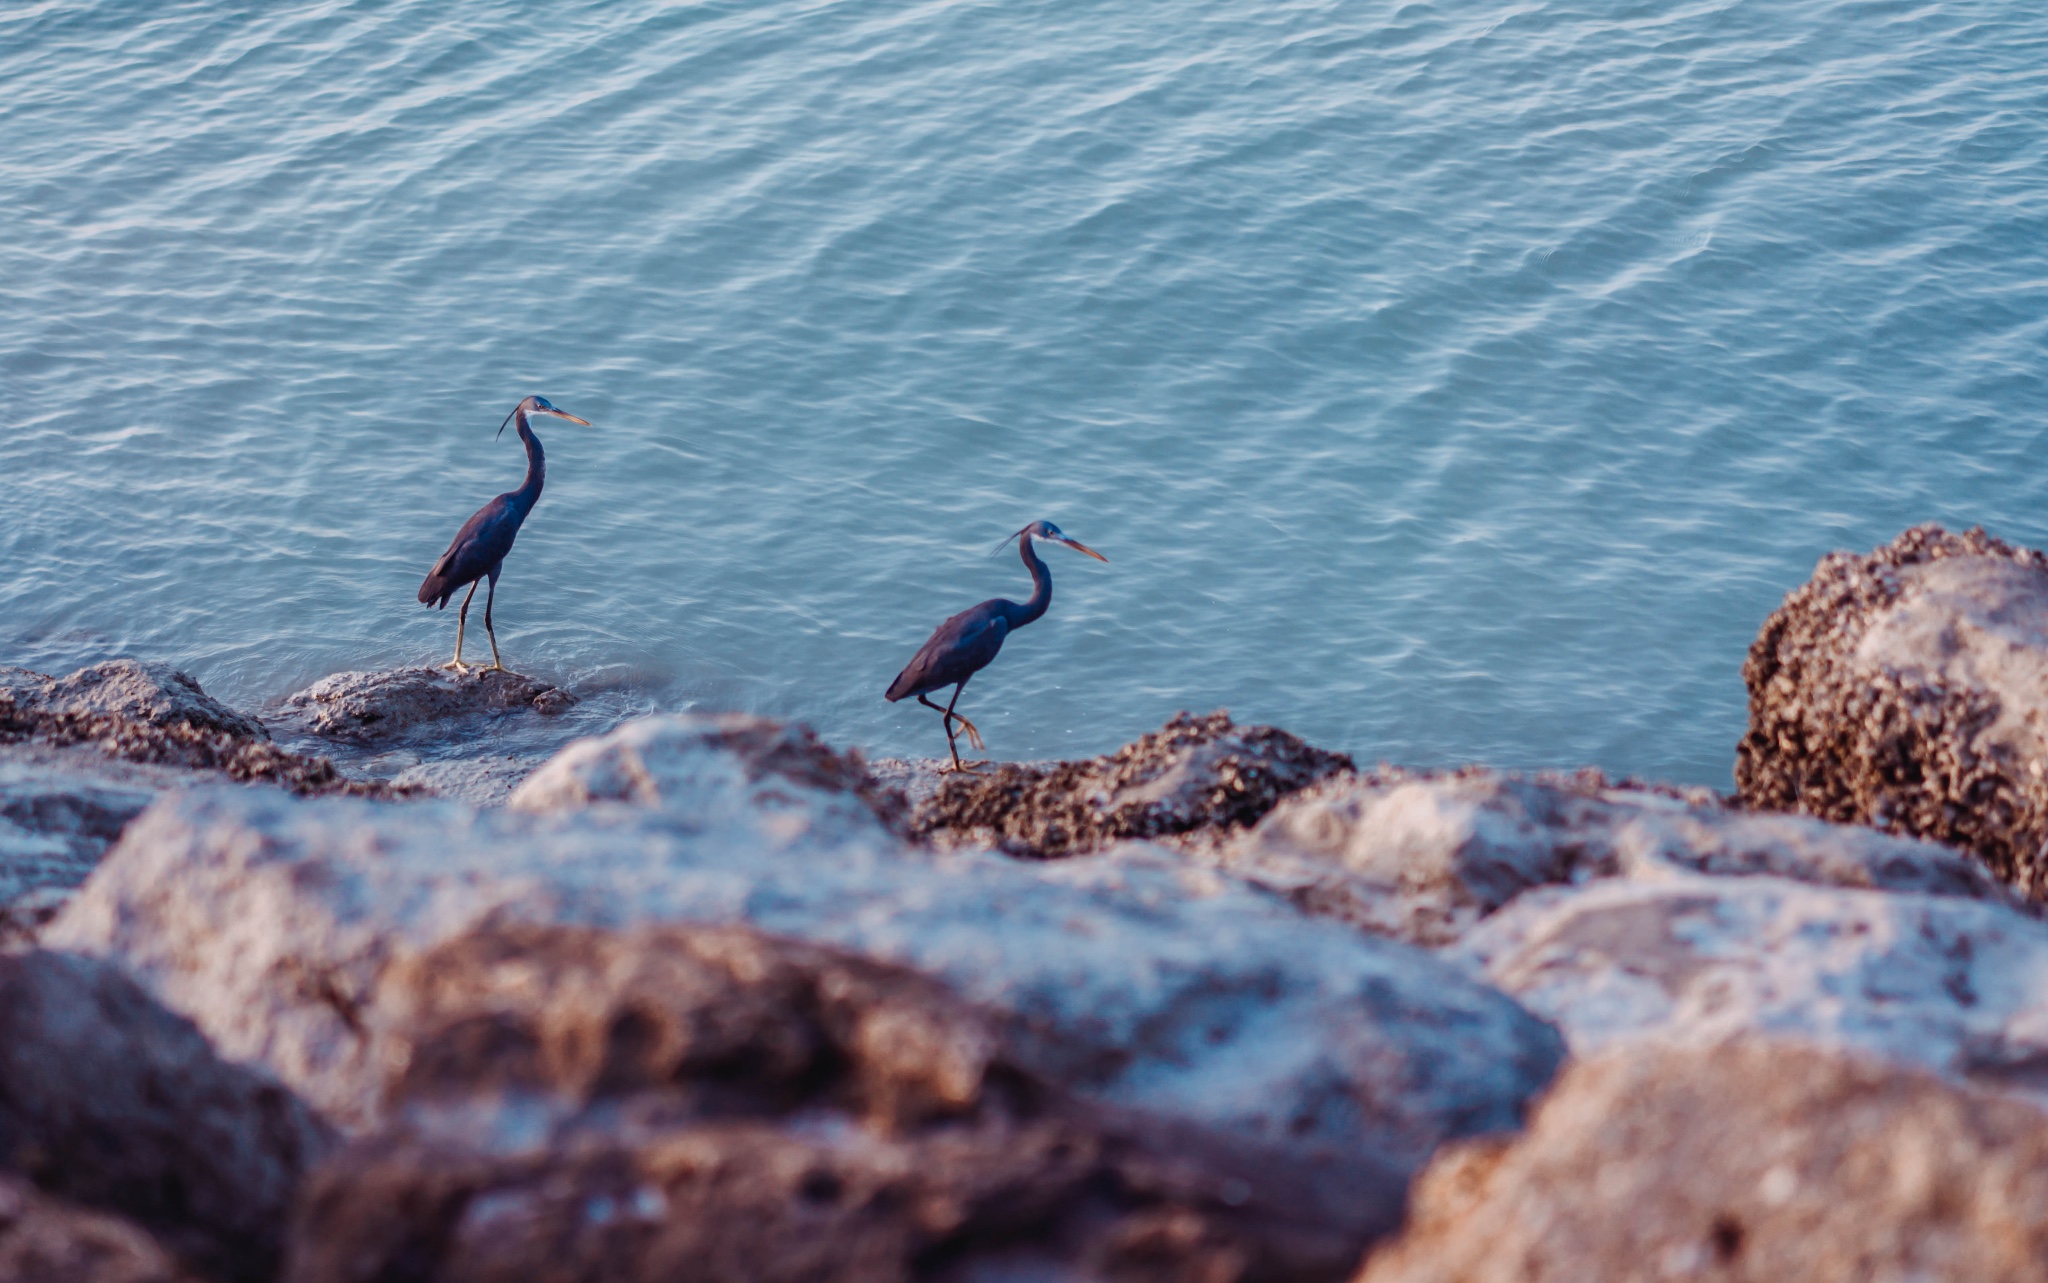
(966, 643)
(479, 548)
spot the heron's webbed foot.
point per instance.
(459, 666)
(493, 667)
(963, 768)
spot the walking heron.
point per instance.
(966, 643)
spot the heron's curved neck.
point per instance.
(1041, 585)
(528, 493)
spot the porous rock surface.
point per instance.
(1195, 774)
(60, 809)
(1751, 1161)
(715, 1103)
(379, 705)
(152, 693)
(751, 769)
(1132, 980)
(486, 780)
(50, 1240)
(110, 1100)
(1908, 689)
(1957, 986)
(1423, 855)
(153, 714)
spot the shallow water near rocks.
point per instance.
(1444, 383)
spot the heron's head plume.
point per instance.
(1047, 530)
(539, 405)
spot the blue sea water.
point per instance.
(1445, 382)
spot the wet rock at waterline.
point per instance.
(51, 1240)
(155, 715)
(110, 1100)
(1909, 689)
(378, 705)
(1958, 986)
(1132, 979)
(1753, 1160)
(130, 690)
(659, 1102)
(1195, 774)
(1423, 855)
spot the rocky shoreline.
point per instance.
(707, 998)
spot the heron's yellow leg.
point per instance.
(461, 625)
(973, 736)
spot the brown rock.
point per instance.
(714, 1103)
(1195, 774)
(153, 714)
(1750, 1161)
(108, 1099)
(1908, 689)
(379, 705)
(47, 1240)
(132, 690)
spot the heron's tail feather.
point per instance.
(905, 684)
(440, 582)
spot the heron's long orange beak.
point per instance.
(1078, 546)
(562, 414)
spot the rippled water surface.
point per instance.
(1444, 382)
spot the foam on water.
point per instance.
(1444, 382)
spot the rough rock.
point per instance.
(108, 1099)
(60, 809)
(380, 705)
(750, 769)
(1195, 774)
(1955, 985)
(1132, 980)
(916, 778)
(1750, 1161)
(153, 714)
(1909, 689)
(48, 1240)
(154, 694)
(480, 781)
(1424, 855)
(738, 1106)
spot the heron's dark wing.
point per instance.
(958, 649)
(482, 543)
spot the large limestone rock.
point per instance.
(483, 780)
(1194, 777)
(1909, 689)
(711, 1102)
(715, 768)
(49, 1240)
(372, 706)
(1425, 855)
(1957, 986)
(60, 809)
(1132, 980)
(108, 1099)
(1751, 1161)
